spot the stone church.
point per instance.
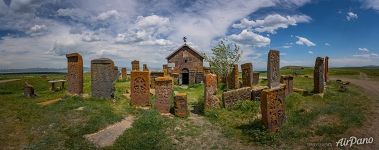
(188, 64)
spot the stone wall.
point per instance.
(163, 93)
(74, 73)
(102, 75)
(140, 88)
(231, 97)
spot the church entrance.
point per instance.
(185, 76)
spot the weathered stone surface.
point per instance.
(154, 75)
(74, 73)
(233, 78)
(192, 77)
(123, 73)
(255, 78)
(199, 77)
(247, 74)
(140, 88)
(326, 69)
(181, 108)
(210, 90)
(135, 65)
(272, 108)
(288, 81)
(28, 90)
(102, 75)
(207, 70)
(145, 67)
(273, 66)
(232, 96)
(318, 76)
(256, 92)
(116, 73)
(163, 91)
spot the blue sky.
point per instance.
(38, 33)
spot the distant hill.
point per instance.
(29, 70)
(294, 67)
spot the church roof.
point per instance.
(185, 45)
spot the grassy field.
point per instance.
(61, 125)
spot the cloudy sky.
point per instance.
(38, 33)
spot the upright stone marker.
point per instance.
(116, 73)
(318, 76)
(181, 108)
(28, 90)
(163, 91)
(140, 88)
(75, 73)
(288, 81)
(233, 78)
(273, 66)
(255, 78)
(145, 67)
(272, 108)
(210, 90)
(123, 73)
(247, 74)
(102, 77)
(326, 72)
(135, 65)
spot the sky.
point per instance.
(38, 33)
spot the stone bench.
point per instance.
(60, 84)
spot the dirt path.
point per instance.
(371, 125)
(108, 136)
(10, 80)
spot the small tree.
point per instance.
(223, 58)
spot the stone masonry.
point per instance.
(273, 66)
(247, 74)
(163, 91)
(75, 73)
(102, 75)
(140, 88)
(210, 90)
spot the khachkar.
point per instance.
(102, 77)
(116, 73)
(145, 67)
(255, 78)
(233, 78)
(272, 99)
(180, 103)
(123, 73)
(163, 90)
(287, 80)
(75, 73)
(318, 76)
(272, 108)
(247, 74)
(135, 65)
(140, 88)
(210, 90)
(273, 74)
(326, 69)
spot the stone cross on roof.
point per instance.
(185, 39)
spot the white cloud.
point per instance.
(351, 16)
(287, 46)
(327, 44)
(371, 4)
(310, 52)
(152, 21)
(304, 41)
(271, 23)
(363, 50)
(365, 53)
(107, 15)
(250, 38)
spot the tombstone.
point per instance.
(247, 74)
(29, 90)
(123, 73)
(207, 70)
(210, 90)
(145, 67)
(74, 73)
(233, 78)
(231, 97)
(102, 77)
(163, 91)
(116, 73)
(273, 66)
(140, 88)
(318, 76)
(288, 81)
(135, 65)
(326, 69)
(180, 103)
(255, 78)
(272, 108)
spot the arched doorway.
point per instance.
(185, 76)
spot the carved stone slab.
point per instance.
(318, 75)
(272, 108)
(232, 96)
(210, 90)
(273, 66)
(140, 88)
(181, 108)
(247, 74)
(102, 75)
(74, 73)
(163, 91)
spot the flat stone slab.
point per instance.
(45, 103)
(107, 136)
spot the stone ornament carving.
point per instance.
(272, 108)
(273, 69)
(74, 73)
(163, 90)
(318, 76)
(140, 88)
